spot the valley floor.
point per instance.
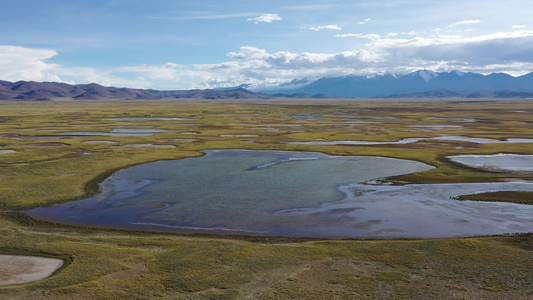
(105, 263)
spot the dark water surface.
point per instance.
(280, 193)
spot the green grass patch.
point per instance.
(513, 197)
(115, 264)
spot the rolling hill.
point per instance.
(419, 84)
(45, 91)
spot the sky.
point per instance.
(184, 44)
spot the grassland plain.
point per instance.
(110, 264)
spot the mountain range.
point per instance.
(44, 91)
(421, 83)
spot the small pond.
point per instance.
(280, 193)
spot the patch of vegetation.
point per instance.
(514, 197)
(115, 264)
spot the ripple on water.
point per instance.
(280, 193)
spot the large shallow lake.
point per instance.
(280, 193)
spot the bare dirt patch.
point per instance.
(19, 269)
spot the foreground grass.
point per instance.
(111, 264)
(107, 264)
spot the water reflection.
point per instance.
(291, 194)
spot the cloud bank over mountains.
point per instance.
(26, 64)
(170, 45)
(508, 52)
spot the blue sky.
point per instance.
(178, 44)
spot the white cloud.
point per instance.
(248, 52)
(508, 52)
(77, 75)
(168, 71)
(391, 34)
(260, 68)
(466, 22)
(455, 39)
(332, 27)
(518, 26)
(363, 22)
(19, 63)
(266, 18)
(454, 52)
(499, 52)
(359, 35)
(167, 76)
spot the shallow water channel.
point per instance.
(280, 193)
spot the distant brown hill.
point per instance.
(45, 91)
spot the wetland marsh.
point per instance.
(292, 194)
(119, 263)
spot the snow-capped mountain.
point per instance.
(417, 82)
